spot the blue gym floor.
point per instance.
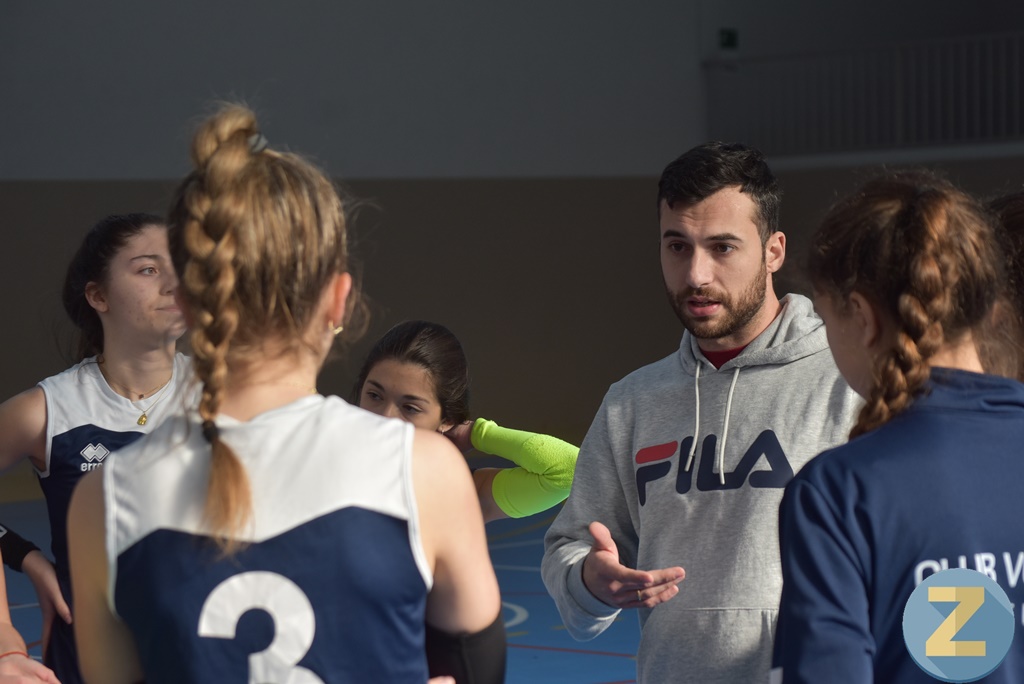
(540, 651)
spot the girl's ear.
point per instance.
(866, 319)
(95, 296)
(338, 291)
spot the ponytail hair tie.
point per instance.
(210, 431)
(257, 143)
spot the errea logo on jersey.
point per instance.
(94, 455)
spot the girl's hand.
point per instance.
(40, 570)
(19, 668)
(461, 436)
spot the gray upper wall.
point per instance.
(768, 29)
(403, 89)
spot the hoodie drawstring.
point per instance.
(696, 418)
(725, 428)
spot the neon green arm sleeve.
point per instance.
(544, 469)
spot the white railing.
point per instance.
(937, 93)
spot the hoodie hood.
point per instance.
(795, 333)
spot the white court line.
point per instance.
(24, 605)
(519, 614)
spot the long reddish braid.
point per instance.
(927, 255)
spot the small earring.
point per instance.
(335, 330)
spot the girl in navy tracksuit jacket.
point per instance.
(904, 272)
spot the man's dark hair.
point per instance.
(708, 168)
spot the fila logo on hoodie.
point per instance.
(655, 462)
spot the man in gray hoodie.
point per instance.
(683, 469)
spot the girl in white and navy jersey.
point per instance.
(275, 535)
(119, 292)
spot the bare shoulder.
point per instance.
(23, 428)
(445, 493)
(436, 461)
(28, 405)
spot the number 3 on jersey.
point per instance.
(290, 610)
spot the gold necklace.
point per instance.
(144, 418)
(159, 389)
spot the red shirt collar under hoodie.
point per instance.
(716, 359)
(720, 358)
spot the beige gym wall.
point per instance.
(552, 285)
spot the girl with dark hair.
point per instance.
(418, 372)
(119, 293)
(905, 272)
(357, 541)
(1009, 210)
(1000, 347)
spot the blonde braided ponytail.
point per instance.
(256, 235)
